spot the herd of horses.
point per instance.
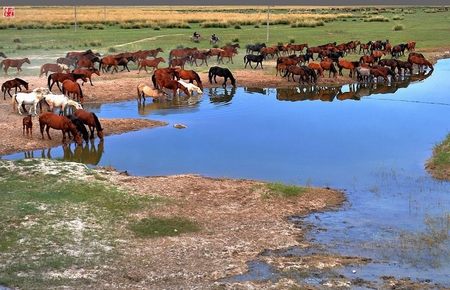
(292, 61)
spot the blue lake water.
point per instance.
(373, 145)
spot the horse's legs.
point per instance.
(91, 128)
(47, 129)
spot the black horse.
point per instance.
(249, 58)
(2, 54)
(221, 72)
(80, 127)
(14, 83)
(254, 47)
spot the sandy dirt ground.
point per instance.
(237, 223)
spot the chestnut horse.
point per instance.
(350, 65)
(153, 63)
(17, 63)
(329, 66)
(107, 61)
(316, 66)
(49, 120)
(164, 73)
(420, 61)
(191, 76)
(61, 77)
(173, 85)
(73, 88)
(16, 84)
(91, 120)
(87, 73)
(178, 62)
(53, 67)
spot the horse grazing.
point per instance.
(73, 88)
(32, 99)
(62, 102)
(317, 67)
(404, 66)
(87, 73)
(363, 73)
(27, 123)
(49, 120)
(164, 73)
(80, 127)
(249, 58)
(191, 87)
(153, 63)
(61, 77)
(91, 120)
(144, 90)
(221, 72)
(17, 63)
(295, 70)
(16, 84)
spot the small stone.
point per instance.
(354, 271)
(180, 126)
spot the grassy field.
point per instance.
(430, 29)
(439, 164)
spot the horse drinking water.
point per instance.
(91, 120)
(49, 120)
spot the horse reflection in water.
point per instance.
(88, 153)
(145, 109)
(348, 92)
(221, 95)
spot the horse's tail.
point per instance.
(198, 80)
(81, 92)
(1, 64)
(98, 126)
(48, 81)
(14, 102)
(100, 66)
(245, 59)
(154, 81)
(210, 75)
(3, 87)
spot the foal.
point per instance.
(28, 125)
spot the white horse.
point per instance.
(144, 90)
(60, 101)
(32, 99)
(191, 87)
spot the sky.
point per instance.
(222, 2)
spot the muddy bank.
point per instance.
(237, 223)
(13, 140)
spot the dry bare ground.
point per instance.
(237, 223)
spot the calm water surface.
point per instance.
(371, 142)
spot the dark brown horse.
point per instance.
(87, 73)
(178, 62)
(16, 84)
(49, 120)
(61, 77)
(53, 67)
(153, 63)
(91, 120)
(72, 88)
(189, 75)
(202, 55)
(67, 61)
(17, 63)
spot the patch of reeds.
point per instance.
(397, 17)
(376, 19)
(215, 25)
(398, 27)
(308, 23)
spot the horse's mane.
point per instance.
(21, 81)
(98, 126)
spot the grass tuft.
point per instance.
(160, 227)
(282, 190)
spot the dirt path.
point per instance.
(146, 39)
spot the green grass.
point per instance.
(56, 216)
(440, 162)
(283, 190)
(427, 31)
(153, 227)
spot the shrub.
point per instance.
(95, 43)
(376, 19)
(308, 23)
(397, 17)
(215, 25)
(156, 28)
(256, 26)
(17, 40)
(237, 27)
(112, 49)
(235, 40)
(292, 40)
(398, 27)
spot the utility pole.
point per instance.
(75, 17)
(104, 14)
(268, 17)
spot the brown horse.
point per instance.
(153, 63)
(368, 59)
(377, 54)
(350, 65)
(411, 45)
(328, 65)
(178, 62)
(317, 67)
(202, 55)
(17, 63)
(293, 48)
(67, 61)
(91, 120)
(87, 73)
(49, 120)
(16, 84)
(61, 77)
(73, 88)
(107, 61)
(173, 85)
(191, 76)
(27, 124)
(53, 67)
(168, 73)
(181, 52)
(271, 50)
(85, 62)
(420, 61)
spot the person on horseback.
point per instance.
(196, 36)
(214, 38)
